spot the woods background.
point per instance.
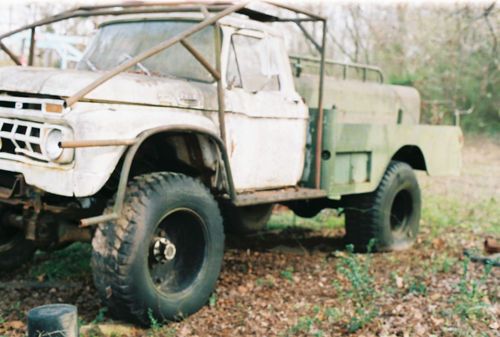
(448, 51)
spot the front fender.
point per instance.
(94, 165)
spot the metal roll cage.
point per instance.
(213, 12)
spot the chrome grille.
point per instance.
(19, 137)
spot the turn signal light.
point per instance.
(51, 107)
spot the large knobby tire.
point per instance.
(390, 214)
(163, 256)
(15, 250)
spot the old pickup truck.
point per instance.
(183, 122)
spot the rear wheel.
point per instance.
(15, 250)
(163, 256)
(390, 214)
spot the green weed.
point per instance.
(360, 288)
(444, 264)
(158, 329)
(100, 317)
(332, 314)
(153, 322)
(418, 288)
(212, 301)
(470, 303)
(287, 274)
(305, 325)
(265, 282)
(15, 310)
(70, 262)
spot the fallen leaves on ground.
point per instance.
(287, 282)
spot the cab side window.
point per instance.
(253, 64)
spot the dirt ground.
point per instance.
(299, 280)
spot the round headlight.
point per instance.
(53, 149)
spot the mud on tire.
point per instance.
(162, 257)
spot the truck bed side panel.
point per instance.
(358, 154)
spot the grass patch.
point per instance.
(440, 214)
(471, 302)
(70, 262)
(305, 325)
(325, 219)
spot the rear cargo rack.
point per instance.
(337, 69)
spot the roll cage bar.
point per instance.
(212, 12)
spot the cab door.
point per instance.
(266, 119)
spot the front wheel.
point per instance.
(162, 258)
(390, 215)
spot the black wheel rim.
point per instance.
(177, 251)
(401, 211)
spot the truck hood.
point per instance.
(124, 88)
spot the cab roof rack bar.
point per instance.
(139, 7)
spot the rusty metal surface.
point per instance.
(200, 98)
(319, 139)
(91, 121)
(281, 195)
(139, 8)
(98, 219)
(12, 56)
(72, 144)
(221, 111)
(31, 55)
(261, 135)
(124, 88)
(127, 163)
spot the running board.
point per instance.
(272, 196)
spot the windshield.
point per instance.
(118, 42)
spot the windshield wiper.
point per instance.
(139, 64)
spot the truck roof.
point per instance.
(235, 20)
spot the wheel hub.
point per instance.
(164, 250)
